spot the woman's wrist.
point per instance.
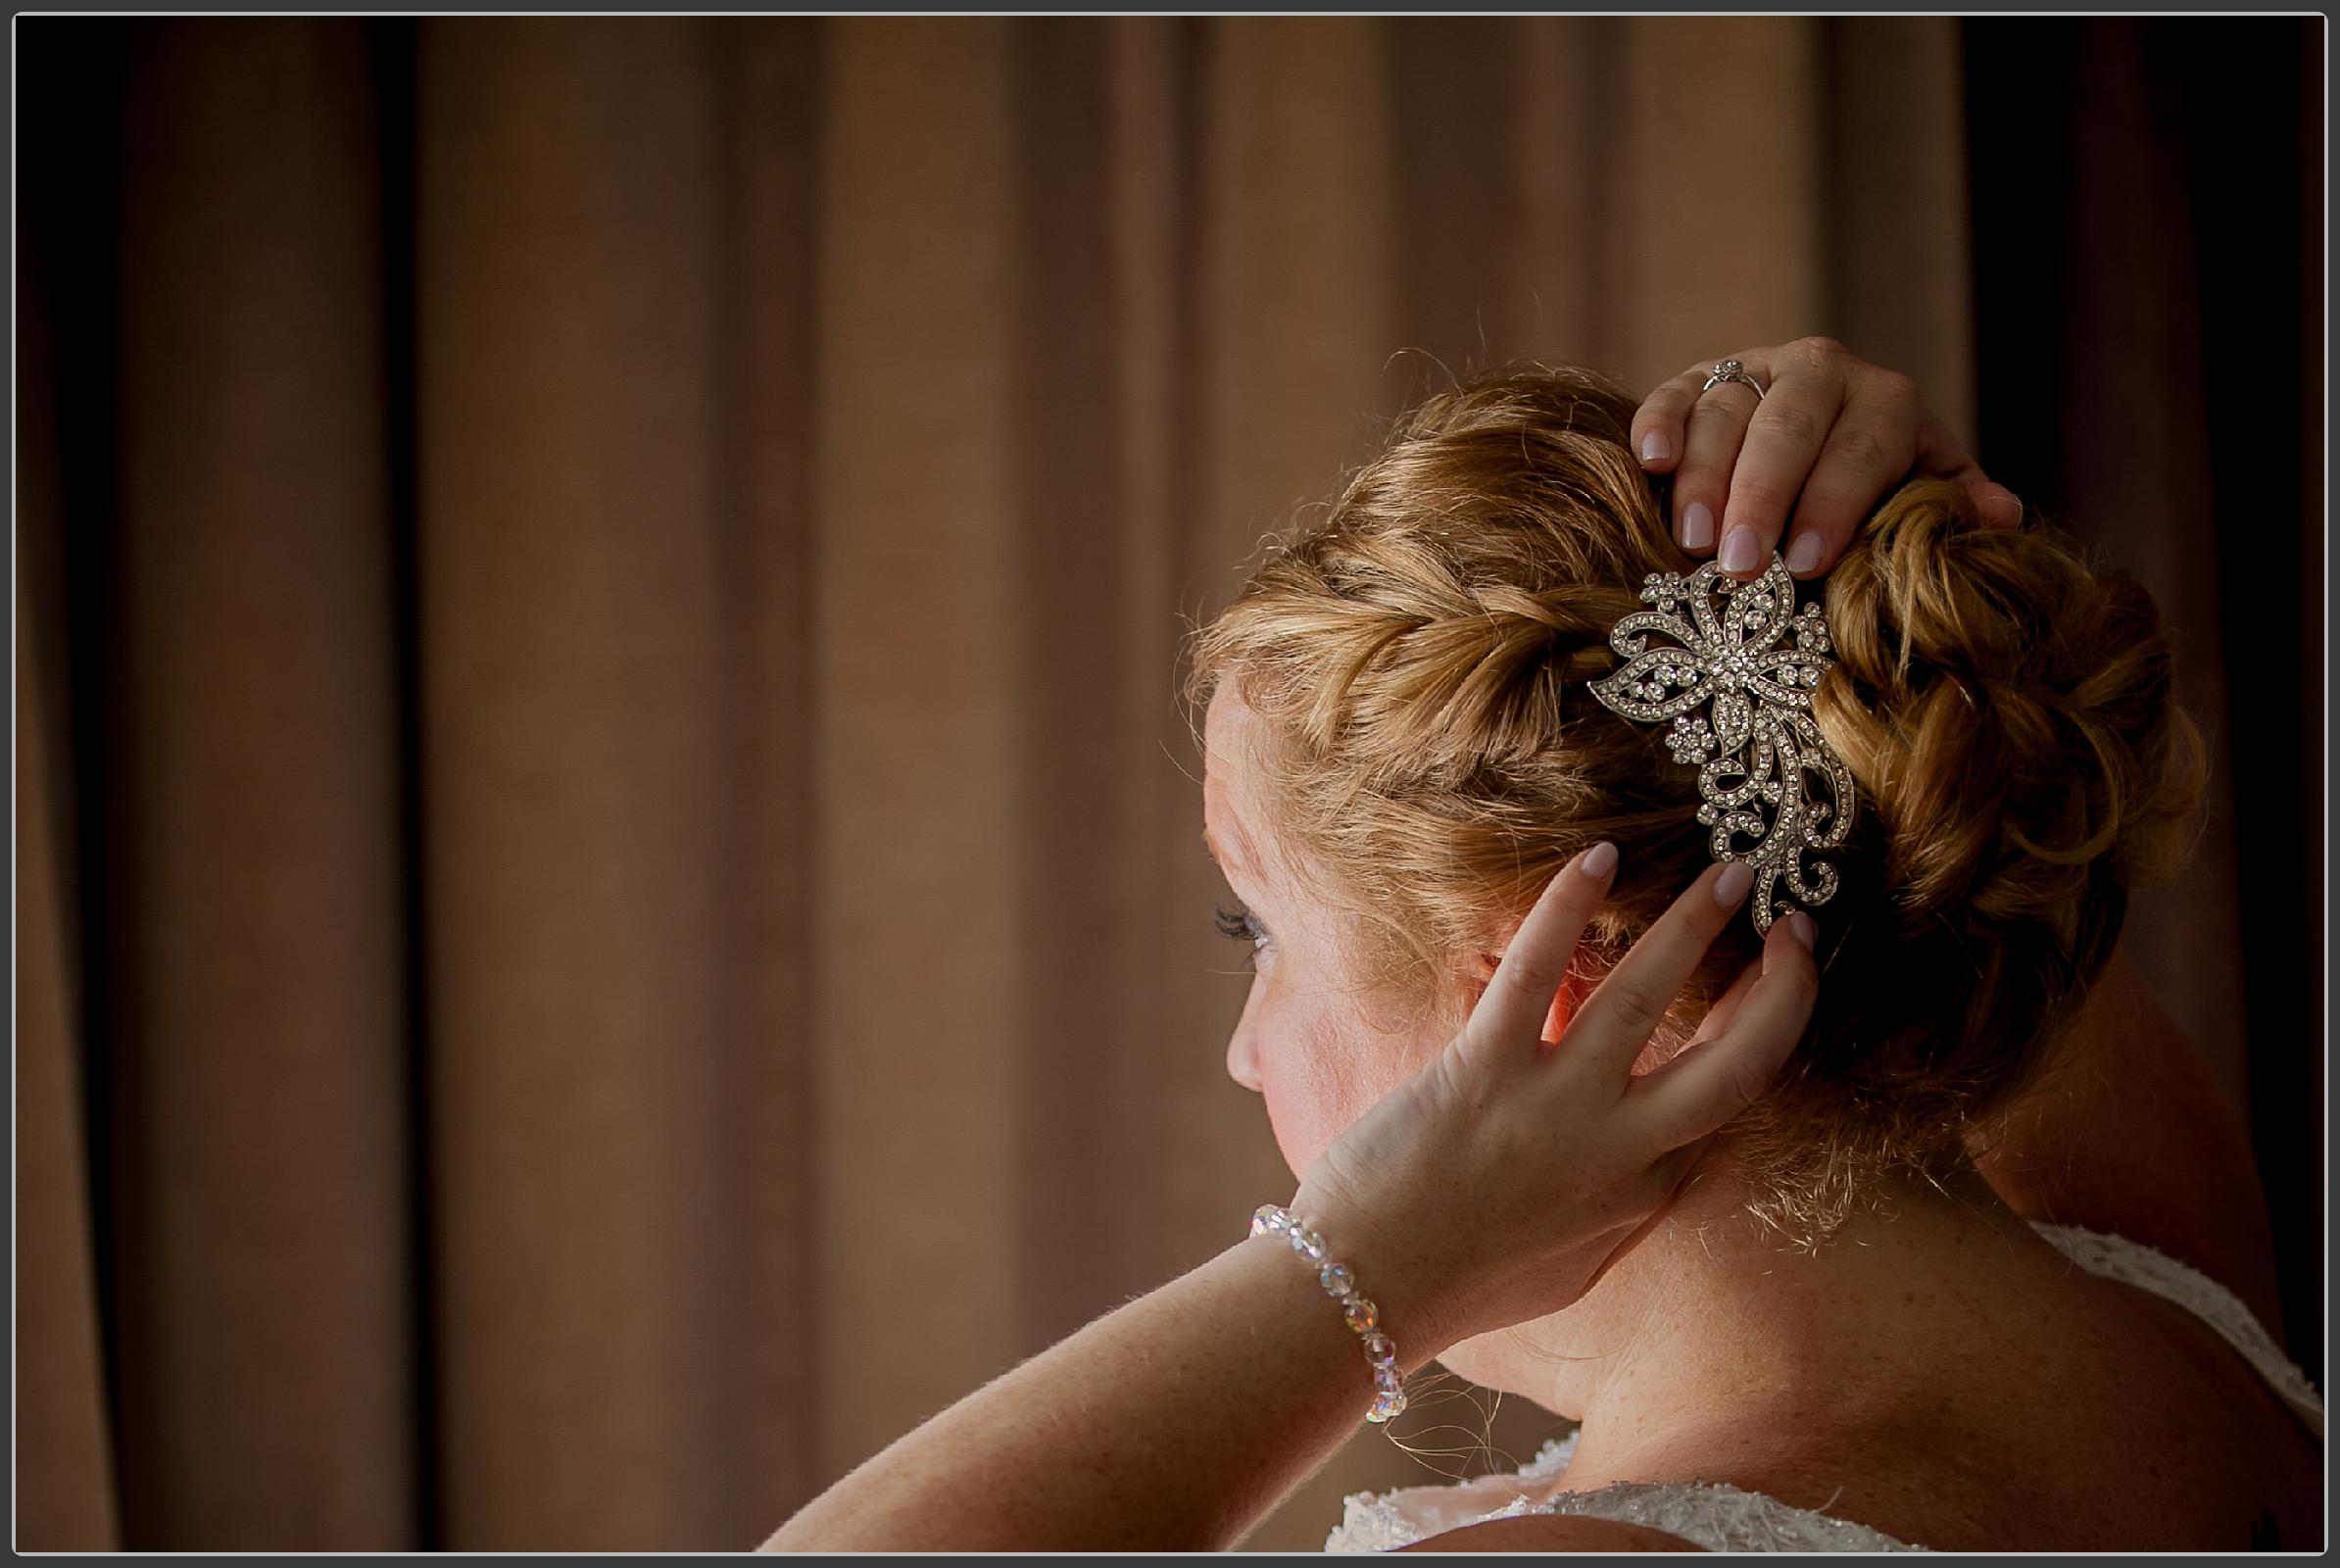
(1338, 1278)
(1408, 1289)
(1328, 1352)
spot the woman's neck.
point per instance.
(1715, 1324)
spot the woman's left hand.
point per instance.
(1830, 436)
(1502, 1180)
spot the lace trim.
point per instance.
(2149, 1268)
(1716, 1515)
(1386, 1521)
(1722, 1517)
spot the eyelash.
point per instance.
(1238, 924)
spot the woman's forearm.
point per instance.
(1172, 1424)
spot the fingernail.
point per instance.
(1739, 549)
(2006, 510)
(1803, 551)
(1655, 448)
(1698, 526)
(1800, 926)
(1600, 859)
(1732, 886)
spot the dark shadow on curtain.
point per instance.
(390, 47)
(69, 220)
(2148, 213)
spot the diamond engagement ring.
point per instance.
(1731, 371)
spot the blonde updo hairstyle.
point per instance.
(1420, 653)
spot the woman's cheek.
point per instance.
(1308, 1080)
(1296, 1117)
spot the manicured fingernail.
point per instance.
(1655, 448)
(1739, 551)
(1600, 859)
(1732, 886)
(1803, 551)
(1698, 526)
(1800, 927)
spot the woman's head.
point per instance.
(1400, 729)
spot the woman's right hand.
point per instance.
(1501, 1180)
(1832, 435)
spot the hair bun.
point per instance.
(2008, 714)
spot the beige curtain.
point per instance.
(617, 796)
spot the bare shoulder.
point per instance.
(1553, 1533)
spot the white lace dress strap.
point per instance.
(2149, 1268)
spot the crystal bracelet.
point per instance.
(1388, 1383)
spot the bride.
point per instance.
(1687, 992)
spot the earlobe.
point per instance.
(1563, 1004)
(1563, 1008)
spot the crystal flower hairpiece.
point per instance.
(1756, 747)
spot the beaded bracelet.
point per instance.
(1388, 1383)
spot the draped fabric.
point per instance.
(610, 901)
(2148, 330)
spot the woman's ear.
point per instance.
(1565, 1003)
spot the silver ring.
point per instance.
(1731, 371)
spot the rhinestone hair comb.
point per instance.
(1756, 747)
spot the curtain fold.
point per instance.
(257, 1047)
(65, 1475)
(574, 677)
(2141, 324)
(647, 928)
